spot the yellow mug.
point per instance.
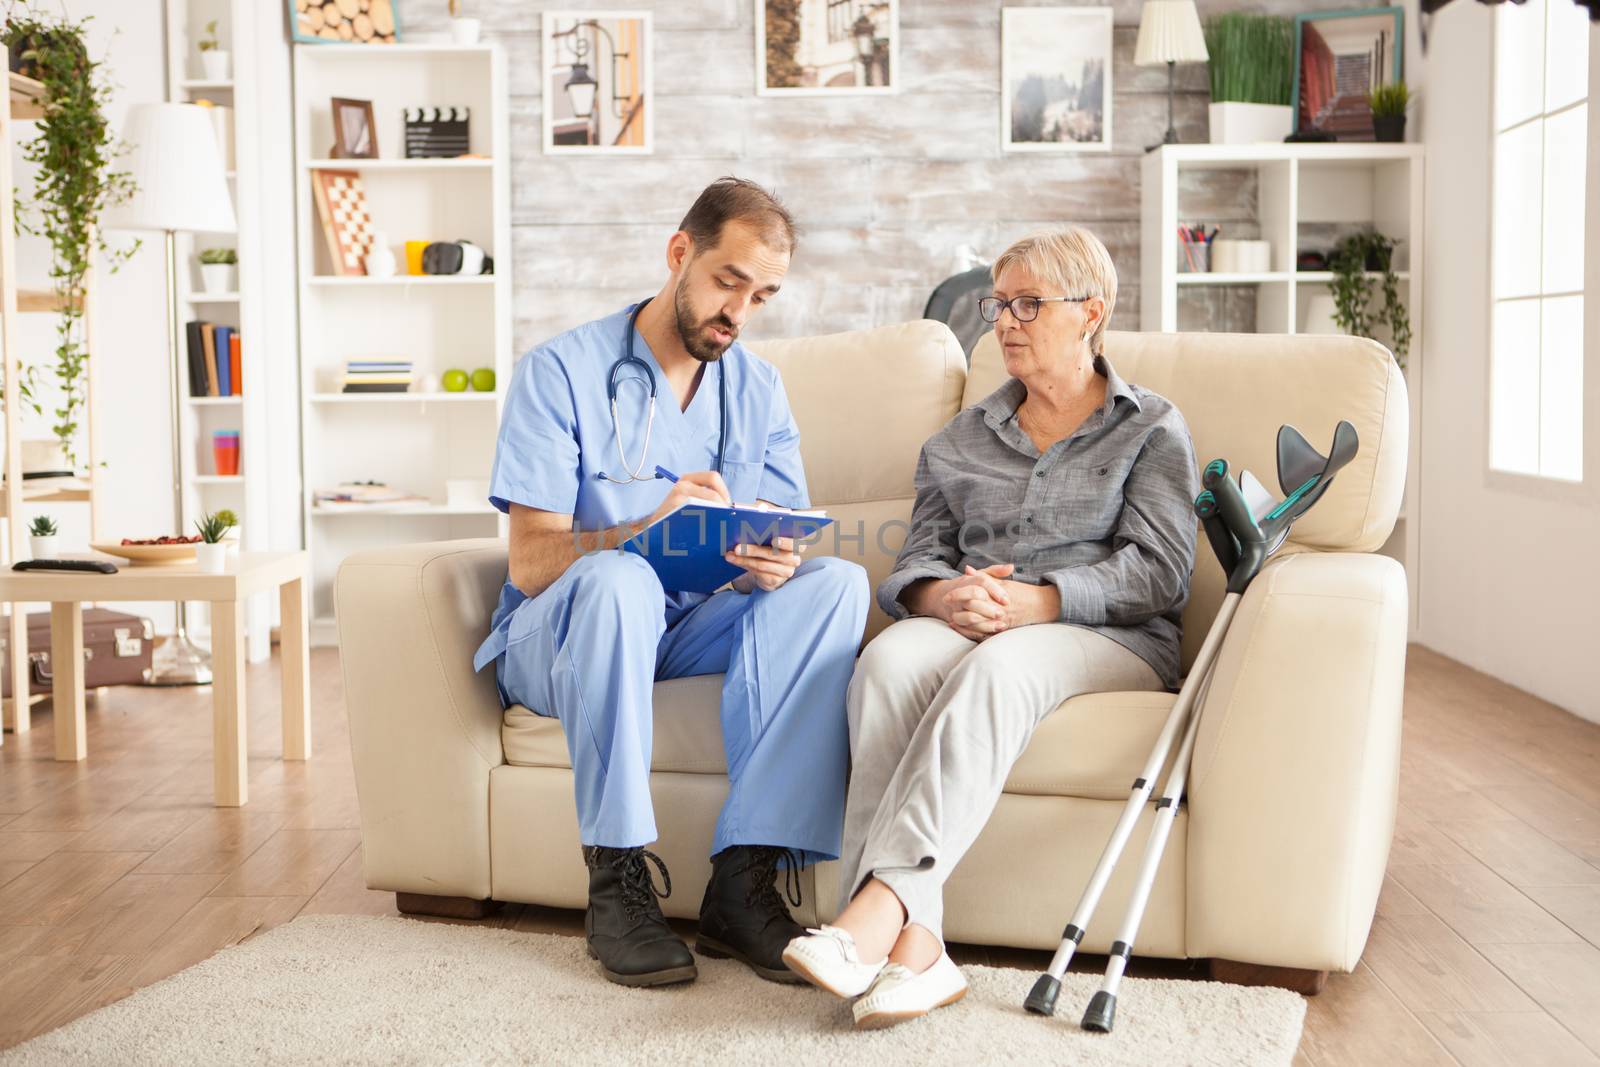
(414, 256)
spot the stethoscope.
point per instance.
(635, 473)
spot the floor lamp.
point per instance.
(180, 187)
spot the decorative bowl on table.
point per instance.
(160, 551)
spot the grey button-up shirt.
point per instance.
(1105, 515)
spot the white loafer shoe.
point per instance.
(899, 995)
(826, 957)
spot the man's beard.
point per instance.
(693, 337)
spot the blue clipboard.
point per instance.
(685, 547)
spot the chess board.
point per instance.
(347, 229)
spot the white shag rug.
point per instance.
(334, 989)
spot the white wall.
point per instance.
(1510, 578)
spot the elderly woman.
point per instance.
(1049, 555)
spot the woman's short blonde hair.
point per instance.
(1075, 261)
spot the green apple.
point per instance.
(454, 380)
(483, 380)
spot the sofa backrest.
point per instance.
(1235, 390)
(865, 402)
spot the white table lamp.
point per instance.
(1169, 32)
(181, 186)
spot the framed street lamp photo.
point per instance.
(597, 82)
(827, 47)
(1055, 79)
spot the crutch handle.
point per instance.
(1230, 501)
(1217, 532)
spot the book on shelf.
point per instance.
(215, 359)
(362, 496)
(376, 376)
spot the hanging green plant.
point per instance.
(74, 150)
(1351, 261)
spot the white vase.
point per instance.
(1236, 123)
(212, 558)
(43, 547)
(465, 30)
(380, 261)
(216, 64)
(218, 278)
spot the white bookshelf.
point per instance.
(1305, 194)
(260, 304)
(416, 441)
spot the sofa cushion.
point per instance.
(1092, 746)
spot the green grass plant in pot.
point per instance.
(1252, 78)
(1389, 111)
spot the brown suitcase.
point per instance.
(116, 650)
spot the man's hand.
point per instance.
(976, 605)
(696, 485)
(766, 566)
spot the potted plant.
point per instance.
(213, 58)
(212, 552)
(42, 537)
(1389, 111)
(75, 182)
(219, 270)
(1252, 77)
(463, 30)
(231, 536)
(1353, 260)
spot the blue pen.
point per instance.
(662, 472)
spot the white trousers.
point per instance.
(936, 722)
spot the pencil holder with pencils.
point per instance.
(1194, 249)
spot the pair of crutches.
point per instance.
(1244, 526)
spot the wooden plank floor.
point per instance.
(117, 871)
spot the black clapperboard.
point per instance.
(432, 132)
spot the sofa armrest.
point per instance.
(1294, 779)
(424, 729)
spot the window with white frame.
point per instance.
(1541, 87)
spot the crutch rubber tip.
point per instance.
(1042, 998)
(1102, 1013)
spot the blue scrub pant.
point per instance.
(588, 649)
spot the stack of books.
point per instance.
(215, 360)
(364, 496)
(377, 376)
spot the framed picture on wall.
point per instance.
(1055, 79)
(347, 21)
(1339, 58)
(827, 47)
(597, 82)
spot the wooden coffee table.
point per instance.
(247, 573)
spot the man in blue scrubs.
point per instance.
(582, 631)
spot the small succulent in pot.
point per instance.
(219, 271)
(43, 526)
(1388, 104)
(212, 554)
(42, 537)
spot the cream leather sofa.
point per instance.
(1276, 859)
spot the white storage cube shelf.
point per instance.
(1300, 198)
(415, 442)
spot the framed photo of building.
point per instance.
(827, 47)
(1055, 79)
(597, 82)
(1339, 58)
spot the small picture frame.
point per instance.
(1339, 58)
(598, 70)
(1055, 79)
(827, 47)
(344, 21)
(354, 136)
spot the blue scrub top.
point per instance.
(556, 435)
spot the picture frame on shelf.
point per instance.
(354, 133)
(1055, 79)
(825, 48)
(352, 22)
(598, 71)
(1334, 51)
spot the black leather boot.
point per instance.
(742, 916)
(625, 928)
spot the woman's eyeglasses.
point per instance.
(1025, 308)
